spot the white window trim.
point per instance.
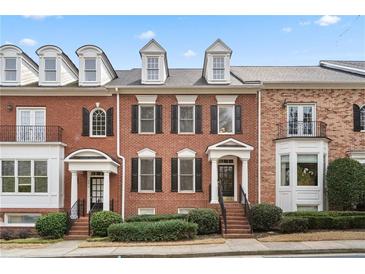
(224, 69)
(154, 174)
(178, 118)
(178, 175)
(91, 123)
(19, 109)
(32, 180)
(233, 119)
(6, 219)
(146, 208)
(56, 70)
(158, 69)
(97, 70)
(17, 70)
(140, 118)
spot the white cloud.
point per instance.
(287, 29)
(328, 20)
(304, 23)
(189, 53)
(28, 42)
(35, 17)
(146, 35)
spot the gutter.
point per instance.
(259, 149)
(120, 156)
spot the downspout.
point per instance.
(259, 149)
(120, 156)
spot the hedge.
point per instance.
(171, 230)
(324, 213)
(207, 220)
(100, 221)
(156, 218)
(293, 225)
(264, 217)
(52, 225)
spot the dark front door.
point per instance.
(96, 191)
(226, 178)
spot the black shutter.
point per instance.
(158, 110)
(356, 112)
(134, 175)
(198, 119)
(135, 119)
(237, 119)
(174, 119)
(85, 122)
(158, 175)
(213, 120)
(109, 122)
(198, 175)
(174, 174)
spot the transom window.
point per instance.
(90, 69)
(24, 176)
(186, 119)
(225, 119)
(152, 68)
(218, 68)
(50, 69)
(147, 174)
(362, 118)
(186, 175)
(147, 119)
(307, 170)
(98, 122)
(10, 69)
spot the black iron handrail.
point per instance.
(31, 133)
(73, 214)
(302, 129)
(96, 207)
(247, 205)
(223, 208)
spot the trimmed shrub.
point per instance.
(320, 222)
(7, 235)
(52, 225)
(265, 216)
(324, 213)
(171, 230)
(346, 183)
(358, 222)
(24, 233)
(100, 221)
(156, 218)
(207, 220)
(293, 225)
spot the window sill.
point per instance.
(23, 194)
(147, 133)
(146, 191)
(96, 136)
(226, 133)
(17, 225)
(187, 192)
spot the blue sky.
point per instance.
(255, 40)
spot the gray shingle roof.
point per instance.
(350, 64)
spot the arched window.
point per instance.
(98, 122)
(362, 118)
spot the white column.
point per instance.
(73, 187)
(244, 172)
(214, 182)
(106, 200)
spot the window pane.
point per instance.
(152, 63)
(186, 112)
(23, 168)
(147, 166)
(90, 76)
(307, 170)
(90, 64)
(22, 219)
(7, 168)
(39, 118)
(50, 63)
(10, 63)
(147, 126)
(8, 184)
(218, 62)
(186, 183)
(24, 184)
(147, 112)
(10, 75)
(40, 168)
(218, 74)
(152, 74)
(187, 126)
(98, 123)
(147, 182)
(40, 184)
(225, 119)
(50, 76)
(186, 166)
(285, 170)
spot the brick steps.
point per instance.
(237, 223)
(79, 230)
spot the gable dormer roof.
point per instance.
(217, 47)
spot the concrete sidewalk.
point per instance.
(231, 247)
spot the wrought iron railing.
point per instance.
(74, 213)
(247, 206)
(302, 129)
(223, 208)
(32, 134)
(95, 208)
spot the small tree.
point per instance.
(346, 184)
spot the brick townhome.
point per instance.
(155, 140)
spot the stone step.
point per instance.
(237, 236)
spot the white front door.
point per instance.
(301, 120)
(31, 124)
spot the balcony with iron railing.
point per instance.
(313, 129)
(30, 134)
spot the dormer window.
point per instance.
(10, 69)
(152, 68)
(50, 69)
(90, 69)
(218, 68)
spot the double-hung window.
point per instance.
(10, 69)
(40, 176)
(362, 118)
(50, 69)
(147, 119)
(24, 176)
(226, 119)
(146, 174)
(186, 175)
(218, 68)
(153, 68)
(8, 176)
(90, 69)
(186, 119)
(98, 123)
